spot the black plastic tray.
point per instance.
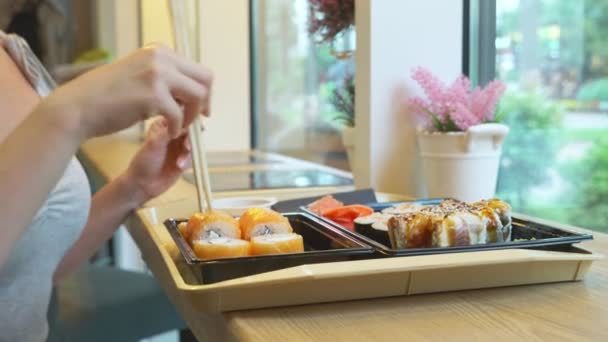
(545, 236)
(322, 243)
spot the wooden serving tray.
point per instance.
(347, 280)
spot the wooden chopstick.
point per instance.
(199, 156)
(200, 163)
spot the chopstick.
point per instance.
(199, 156)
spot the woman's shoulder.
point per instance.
(17, 94)
(21, 54)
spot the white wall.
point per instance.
(117, 26)
(224, 47)
(223, 42)
(393, 37)
(155, 24)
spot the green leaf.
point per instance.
(436, 120)
(450, 126)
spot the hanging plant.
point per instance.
(328, 18)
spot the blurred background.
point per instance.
(551, 53)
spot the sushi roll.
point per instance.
(460, 229)
(221, 247)
(452, 223)
(205, 226)
(262, 221)
(503, 210)
(403, 208)
(182, 228)
(491, 221)
(420, 231)
(412, 231)
(374, 226)
(277, 243)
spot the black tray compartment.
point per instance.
(322, 243)
(525, 233)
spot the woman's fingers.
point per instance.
(192, 95)
(199, 74)
(184, 161)
(187, 145)
(193, 70)
(188, 84)
(171, 111)
(157, 134)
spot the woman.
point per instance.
(50, 225)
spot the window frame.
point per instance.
(478, 41)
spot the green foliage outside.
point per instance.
(549, 169)
(594, 91)
(531, 147)
(589, 178)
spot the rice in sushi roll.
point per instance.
(262, 221)
(277, 243)
(460, 228)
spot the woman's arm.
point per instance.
(154, 169)
(23, 188)
(34, 156)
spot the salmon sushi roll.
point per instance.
(262, 221)
(205, 226)
(182, 228)
(221, 247)
(276, 244)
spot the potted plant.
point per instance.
(459, 141)
(332, 21)
(343, 100)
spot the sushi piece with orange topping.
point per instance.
(221, 247)
(262, 221)
(211, 225)
(277, 243)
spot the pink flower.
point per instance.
(455, 107)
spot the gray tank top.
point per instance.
(26, 277)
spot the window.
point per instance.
(294, 79)
(553, 56)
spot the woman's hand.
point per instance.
(155, 167)
(152, 81)
(158, 164)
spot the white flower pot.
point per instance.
(462, 165)
(348, 139)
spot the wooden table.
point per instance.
(564, 311)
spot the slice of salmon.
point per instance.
(323, 204)
(346, 215)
